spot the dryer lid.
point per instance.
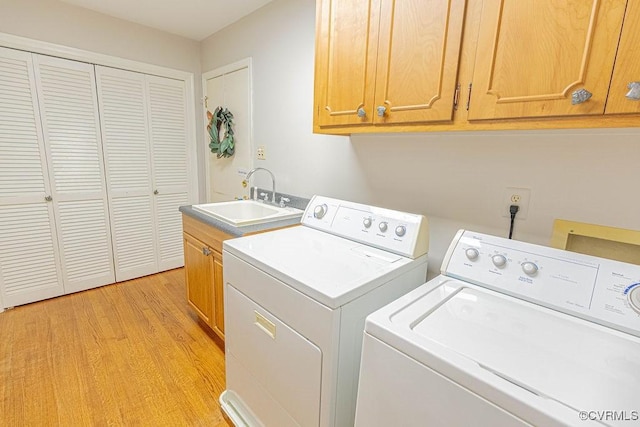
(330, 269)
(575, 362)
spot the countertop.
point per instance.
(295, 202)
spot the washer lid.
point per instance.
(330, 269)
(578, 363)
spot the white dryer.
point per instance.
(510, 334)
(295, 304)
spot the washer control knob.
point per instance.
(499, 260)
(320, 211)
(529, 268)
(401, 230)
(383, 226)
(366, 222)
(472, 253)
(634, 298)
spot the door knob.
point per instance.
(155, 192)
(361, 112)
(48, 198)
(381, 110)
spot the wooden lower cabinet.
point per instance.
(203, 271)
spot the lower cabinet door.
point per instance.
(199, 274)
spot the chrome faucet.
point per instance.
(273, 182)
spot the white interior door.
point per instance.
(29, 259)
(230, 87)
(69, 113)
(168, 128)
(122, 101)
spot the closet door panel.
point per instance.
(68, 106)
(168, 127)
(170, 229)
(29, 259)
(135, 254)
(29, 263)
(167, 118)
(85, 241)
(125, 134)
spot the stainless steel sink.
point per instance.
(247, 212)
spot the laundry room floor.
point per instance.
(132, 353)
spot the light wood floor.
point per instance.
(129, 354)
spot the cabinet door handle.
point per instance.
(361, 112)
(381, 110)
(579, 96)
(156, 192)
(48, 198)
(206, 251)
(634, 91)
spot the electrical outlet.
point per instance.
(262, 153)
(515, 196)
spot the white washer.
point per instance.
(295, 304)
(510, 334)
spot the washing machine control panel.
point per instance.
(597, 289)
(399, 232)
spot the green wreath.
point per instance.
(226, 147)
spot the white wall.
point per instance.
(456, 179)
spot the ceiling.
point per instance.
(193, 19)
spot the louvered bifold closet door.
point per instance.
(125, 135)
(69, 113)
(168, 126)
(29, 260)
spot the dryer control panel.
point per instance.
(402, 233)
(597, 289)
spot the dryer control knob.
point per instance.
(634, 299)
(401, 230)
(472, 253)
(499, 260)
(529, 268)
(383, 226)
(320, 211)
(366, 222)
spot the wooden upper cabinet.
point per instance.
(627, 69)
(532, 55)
(386, 61)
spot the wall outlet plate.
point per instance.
(262, 153)
(515, 196)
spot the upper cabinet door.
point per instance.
(386, 61)
(624, 94)
(418, 52)
(535, 56)
(346, 45)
